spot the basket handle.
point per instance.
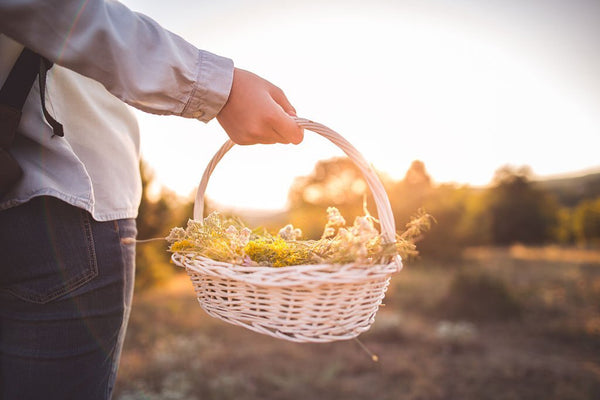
(384, 209)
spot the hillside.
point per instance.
(571, 190)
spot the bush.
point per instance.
(586, 222)
(478, 296)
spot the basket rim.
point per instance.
(293, 275)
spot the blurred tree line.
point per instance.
(512, 209)
(157, 214)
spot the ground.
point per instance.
(510, 323)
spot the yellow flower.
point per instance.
(182, 245)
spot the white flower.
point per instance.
(361, 252)
(334, 218)
(213, 219)
(231, 231)
(363, 229)
(176, 234)
(288, 232)
(328, 232)
(193, 225)
(244, 236)
(334, 221)
(237, 239)
(345, 235)
(456, 332)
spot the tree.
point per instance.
(518, 212)
(417, 176)
(586, 222)
(410, 194)
(334, 182)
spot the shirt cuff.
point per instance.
(212, 87)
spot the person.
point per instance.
(67, 262)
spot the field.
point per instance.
(500, 323)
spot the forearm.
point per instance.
(138, 61)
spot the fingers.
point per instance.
(287, 129)
(285, 126)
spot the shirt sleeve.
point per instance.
(136, 59)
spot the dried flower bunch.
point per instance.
(228, 240)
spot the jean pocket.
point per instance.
(50, 251)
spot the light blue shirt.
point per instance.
(105, 55)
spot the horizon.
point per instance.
(157, 187)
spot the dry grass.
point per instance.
(549, 350)
(552, 253)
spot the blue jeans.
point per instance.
(66, 283)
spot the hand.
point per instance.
(258, 112)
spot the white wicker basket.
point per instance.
(302, 303)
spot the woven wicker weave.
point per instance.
(302, 303)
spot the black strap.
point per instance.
(20, 80)
(57, 127)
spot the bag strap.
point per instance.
(18, 84)
(20, 80)
(57, 127)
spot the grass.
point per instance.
(430, 344)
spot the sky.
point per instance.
(466, 86)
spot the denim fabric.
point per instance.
(66, 283)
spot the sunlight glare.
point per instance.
(398, 85)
